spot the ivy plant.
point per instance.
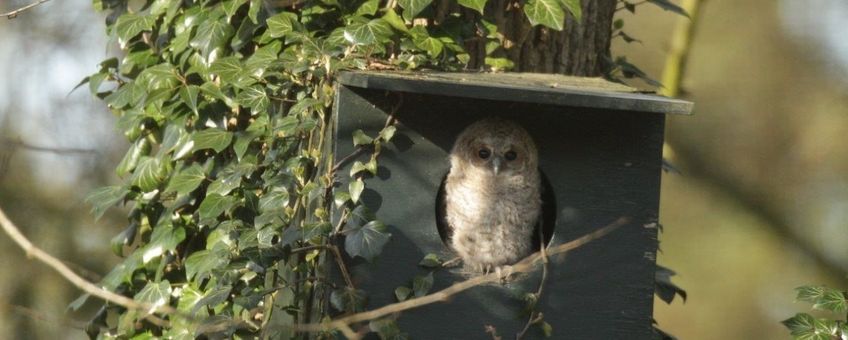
(804, 326)
(229, 179)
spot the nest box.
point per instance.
(600, 147)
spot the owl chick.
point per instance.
(492, 194)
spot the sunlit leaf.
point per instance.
(476, 5)
(103, 198)
(213, 205)
(215, 139)
(368, 33)
(204, 261)
(545, 12)
(411, 8)
(129, 25)
(155, 294)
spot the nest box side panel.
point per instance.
(602, 165)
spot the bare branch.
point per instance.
(33, 252)
(14, 14)
(59, 151)
(526, 265)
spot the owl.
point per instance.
(490, 203)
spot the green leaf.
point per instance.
(155, 294)
(275, 200)
(231, 6)
(805, 326)
(547, 330)
(356, 168)
(366, 241)
(229, 69)
(809, 293)
(387, 329)
(545, 12)
(372, 32)
(140, 148)
(355, 188)
(427, 43)
(340, 198)
(430, 261)
(212, 34)
(255, 98)
(669, 6)
(187, 180)
(394, 20)
(124, 238)
(103, 198)
(129, 25)
(573, 6)
(149, 174)
(188, 94)
(402, 293)
(476, 5)
(282, 24)
(832, 300)
(422, 284)
(213, 205)
(348, 300)
(411, 8)
(162, 76)
(164, 239)
(204, 261)
(369, 7)
(360, 138)
(499, 64)
(215, 139)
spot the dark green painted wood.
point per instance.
(520, 87)
(602, 164)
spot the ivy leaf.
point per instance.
(387, 329)
(424, 41)
(255, 98)
(834, 301)
(340, 198)
(162, 76)
(411, 8)
(355, 188)
(204, 261)
(545, 12)
(213, 205)
(476, 5)
(805, 326)
(348, 300)
(367, 241)
(368, 33)
(164, 239)
(155, 294)
(140, 148)
(149, 174)
(229, 69)
(394, 20)
(430, 261)
(664, 288)
(129, 25)
(573, 6)
(188, 94)
(421, 285)
(809, 293)
(360, 138)
(402, 293)
(669, 6)
(231, 6)
(215, 139)
(211, 35)
(369, 7)
(103, 198)
(281, 24)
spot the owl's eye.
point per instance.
(510, 155)
(484, 153)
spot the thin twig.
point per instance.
(536, 317)
(337, 254)
(14, 14)
(523, 266)
(59, 151)
(88, 287)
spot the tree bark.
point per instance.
(580, 49)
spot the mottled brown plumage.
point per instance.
(492, 194)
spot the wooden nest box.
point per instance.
(600, 146)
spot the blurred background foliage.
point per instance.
(760, 208)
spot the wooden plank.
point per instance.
(549, 89)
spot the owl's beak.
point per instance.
(496, 164)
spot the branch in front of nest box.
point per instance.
(524, 266)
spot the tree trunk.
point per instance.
(581, 49)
